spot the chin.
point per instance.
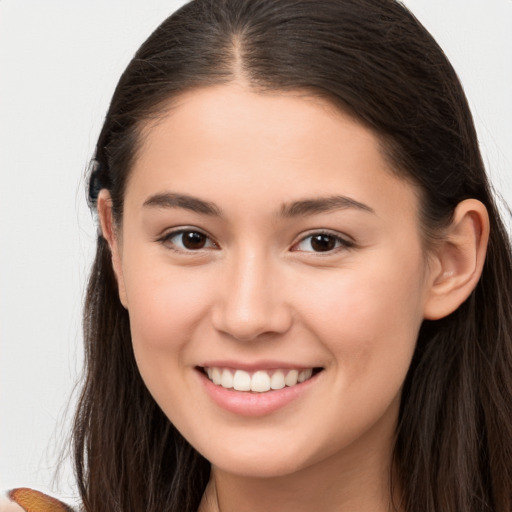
(256, 469)
(259, 459)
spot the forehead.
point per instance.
(267, 147)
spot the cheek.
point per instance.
(369, 320)
(166, 307)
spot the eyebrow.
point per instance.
(194, 204)
(301, 208)
(314, 206)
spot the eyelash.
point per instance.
(166, 239)
(340, 242)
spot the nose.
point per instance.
(251, 301)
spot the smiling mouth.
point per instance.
(260, 381)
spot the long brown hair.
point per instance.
(374, 60)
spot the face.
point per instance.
(267, 245)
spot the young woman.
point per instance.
(301, 295)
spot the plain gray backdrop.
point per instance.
(59, 63)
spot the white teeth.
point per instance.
(227, 379)
(291, 378)
(260, 381)
(242, 381)
(305, 375)
(277, 380)
(216, 376)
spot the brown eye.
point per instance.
(188, 240)
(322, 242)
(193, 240)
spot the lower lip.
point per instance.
(248, 403)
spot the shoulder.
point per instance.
(29, 500)
(6, 505)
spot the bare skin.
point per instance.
(7, 505)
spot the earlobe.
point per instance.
(104, 206)
(459, 259)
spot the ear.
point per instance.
(458, 260)
(109, 232)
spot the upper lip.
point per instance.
(256, 365)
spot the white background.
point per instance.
(59, 63)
